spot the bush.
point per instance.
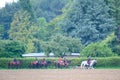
(108, 62)
(97, 50)
(11, 48)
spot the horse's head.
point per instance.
(93, 62)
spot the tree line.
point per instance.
(60, 26)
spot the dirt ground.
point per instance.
(60, 74)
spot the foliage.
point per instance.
(115, 9)
(22, 29)
(88, 20)
(61, 45)
(1, 32)
(11, 48)
(114, 44)
(6, 15)
(48, 9)
(80, 21)
(99, 49)
(115, 13)
(108, 62)
(43, 31)
(26, 6)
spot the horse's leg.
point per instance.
(37, 65)
(56, 65)
(29, 66)
(8, 65)
(17, 66)
(66, 65)
(86, 66)
(91, 67)
(45, 65)
(12, 66)
(33, 65)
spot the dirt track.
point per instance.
(60, 74)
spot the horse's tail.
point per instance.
(81, 66)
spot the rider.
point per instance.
(88, 60)
(60, 60)
(36, 60)
(43, 61)
(65, 61)
(14, 61)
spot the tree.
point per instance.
(99, 49)
(26, 6)
(115, 9)
(48, 9)
(115, 13)
(6, 15)
(22, 29)
(88, 20)
(61, 45)
(1, 32)
(45, 30)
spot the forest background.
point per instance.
(88, 27)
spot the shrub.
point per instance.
(97, 50)
(108, 62)
(11, 48)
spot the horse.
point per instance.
(85, 65)
(13, 64)
(34, 64)
(61, 64)
(45, 64)
(39, 64)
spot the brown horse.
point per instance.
(43, 63)
(62, 64)
(34, 64)
(13, 64)
(39, 64)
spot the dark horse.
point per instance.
(14, 64)
(34, 64)
(62, 64)
(39, 64)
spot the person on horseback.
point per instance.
(43, 61)
(89, 60)
(36, 60)
(65, 62)
(15, 61)
(60, 60)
